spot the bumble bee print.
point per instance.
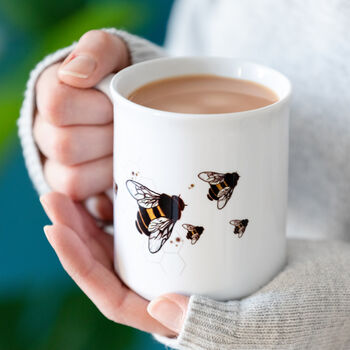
(221, 186)
(193, 232)
(157, 214)
(240, 226)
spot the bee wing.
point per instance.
(224, 196)
(235, 222)
(188, 227)
(144, 196)
(160, 230)
(240, 234)
(194, 240)
(211, 177)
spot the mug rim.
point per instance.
(123, 74)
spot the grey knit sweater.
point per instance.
(307, 306)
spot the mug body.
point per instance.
(200, 200)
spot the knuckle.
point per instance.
(83, 271)
(50, 95)
(120, 308)
(53, 104)
(97, 36)
(117, 311)
(78, 272)
(62, 147)
(110, 315)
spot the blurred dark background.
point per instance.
(40, 307)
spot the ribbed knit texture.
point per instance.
(307, 306)
(140, 50)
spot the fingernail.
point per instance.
(91, 206)
(47, 229)
(80, 66)
(167, 312)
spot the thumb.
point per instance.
(170, 310)
(97, 54)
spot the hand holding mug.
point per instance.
(72, 114)
(86, 253)
(246, 138)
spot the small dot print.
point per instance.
(178, 239)
(190, 186)
(135, 174)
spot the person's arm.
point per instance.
(307, 306)
(139, 50)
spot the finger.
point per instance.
(170, 310)
(97, 54)
(63, 105)
(61, 209)
(74, 144)
(100, 207)
(80, 181)
(101, 285)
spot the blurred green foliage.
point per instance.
(68, 321)
(37, 15)
(31, 29)
(40, 307)
(49, 31)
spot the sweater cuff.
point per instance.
(207, 322)
(25, 122)
(140, 50)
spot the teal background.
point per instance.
(40, 307)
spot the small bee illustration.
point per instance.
(221, 186)
(240, 226)
(193, 232)
(157, 214)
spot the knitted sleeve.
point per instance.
(140, 50)
(307, 306)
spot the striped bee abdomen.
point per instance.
(215, 189)
(145, 216)
(156, 215)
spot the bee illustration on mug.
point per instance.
(240, 226)
(221, 186)
(193, 232)
(157, 214)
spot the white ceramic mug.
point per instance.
(202, 198)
